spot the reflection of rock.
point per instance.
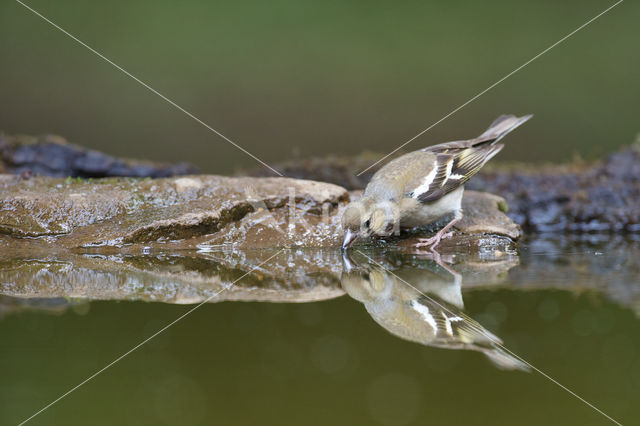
(603, 264)
(599, 262)
(193, 212)
(53, 156)
(422, 306)
(11, 305)
(290, 276)
(190, 276)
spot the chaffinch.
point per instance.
(420, 187)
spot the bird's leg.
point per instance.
(441, 234)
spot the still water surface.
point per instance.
(326, 339)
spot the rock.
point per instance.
(193, 212)
(53, 156)
(174, 211)
(484, 213)
(604, 197)
(601, 198)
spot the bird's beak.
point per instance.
(349, 238)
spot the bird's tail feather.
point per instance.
(501, 126)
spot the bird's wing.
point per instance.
(457, 161)
(452, 168)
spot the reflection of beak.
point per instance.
(349, 238)
(347, 263)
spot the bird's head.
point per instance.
(365, 218)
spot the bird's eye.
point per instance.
(367, 223)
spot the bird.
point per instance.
(423, 186)
(422, 306)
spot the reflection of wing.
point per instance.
(452, 329)
(419, 315)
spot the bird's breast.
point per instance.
(414, 213)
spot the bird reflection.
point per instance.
(422, 306)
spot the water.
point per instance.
(312, 338)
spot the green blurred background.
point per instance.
(305, 78)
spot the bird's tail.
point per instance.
(501, 126)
